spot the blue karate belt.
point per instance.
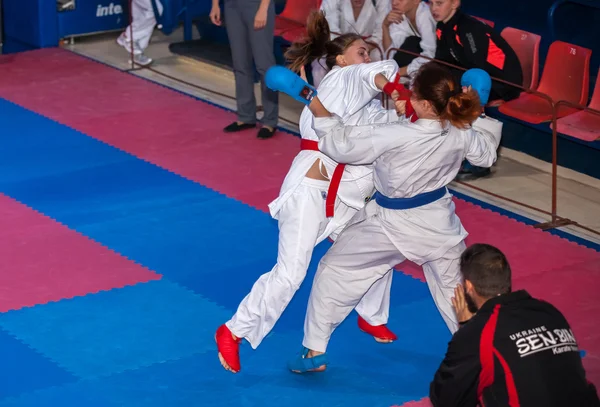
(409, 203)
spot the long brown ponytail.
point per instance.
(316, 44)
(437, 85)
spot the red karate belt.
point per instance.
(334, 183)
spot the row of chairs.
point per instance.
(565, 77)
(290, 23)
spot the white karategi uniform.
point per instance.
(340, 17)
(425, 29)
(300, 207)
(143, 23)
(409, 159)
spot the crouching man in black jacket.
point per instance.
(515, 351)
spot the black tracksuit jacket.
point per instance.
(469, 43)
(516, 351)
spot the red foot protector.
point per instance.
(228, 347)
(379, 331)
(425, 402)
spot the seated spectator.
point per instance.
(350, 16)
(467, 42)
(411, 27)
(362, 17)
(514, 351)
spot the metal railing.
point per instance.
(556, 220)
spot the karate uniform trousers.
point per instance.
(143, 22)
(409, 159)
(300, 208)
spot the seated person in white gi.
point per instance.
(412, 215)
(409, 26)
(362, 17)
(350, 17)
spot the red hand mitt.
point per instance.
(405, 95)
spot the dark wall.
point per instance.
(573, 23)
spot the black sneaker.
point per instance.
(265, 133)
(233, 127)
(470, 175)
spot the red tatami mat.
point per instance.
(421, 403)
(529, 250)
(152, 122)
(42, 260)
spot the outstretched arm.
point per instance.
(317, 108)
(358, 145)
(345, 144)
(349, 89)
(484, 141)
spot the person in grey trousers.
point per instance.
(250, 28)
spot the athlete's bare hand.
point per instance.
(400, 105)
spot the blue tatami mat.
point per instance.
(152, 344)
(138, 209)
(23, 370)
(119, 329)
(362, 372)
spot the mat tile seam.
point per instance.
(117, 371)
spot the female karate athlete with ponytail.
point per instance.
(318, 197)
(412, 214)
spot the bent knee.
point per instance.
(291, 277)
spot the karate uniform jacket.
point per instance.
(340, 17)
(410, 159)
(349, 93)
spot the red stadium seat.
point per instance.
(483, 20)
(583, 125)
(282, 26)
(566, 77)
(527, 47)
(294, 15)
(293, 35)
